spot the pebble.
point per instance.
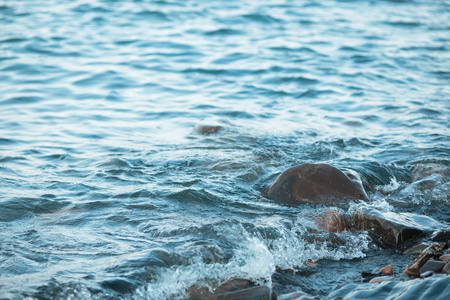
(446, 269)
(427, 274)
(311, 264)
(432, 265)
(445, 257)
(381, 279)
(387, 270)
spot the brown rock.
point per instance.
(387, 270)
(433, 265)
(315, 183)
(252, 293)
(381, 279)
(332, 220)
(388, 228)
(311, 264)
(207, 129)
(414, 267)
(446, 269)
(233, 289)
(445, 257)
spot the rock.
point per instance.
(367, 275)
(388, 228)
(311, 264)
(253, 293)
(381, 279)
(332, 220)
(441, 236)
(295, 296)
(315, 184)
(425, 170)
(433, 265)
(414, 267)
(446, 269)
(426, 274)
(445, 257)
(387, 270)
(415, 249)
(207, 129)
(233, 289)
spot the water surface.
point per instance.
(107, 190)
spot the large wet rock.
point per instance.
(315, 184)
(392, 229)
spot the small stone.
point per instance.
(311, 264)
(445, 257)
(433, 265)
(446, 269)
(381, 279)
(387, 270)
(367, 275)
(415, 249)
(427, 274)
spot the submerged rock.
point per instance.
(315, 184)
(392, 229)
(233, 289)
(207, 129)
(332, 220)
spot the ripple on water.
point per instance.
(140, 204)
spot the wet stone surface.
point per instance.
(316, 184)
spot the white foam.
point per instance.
(256, 258)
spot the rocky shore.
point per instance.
(405, 233)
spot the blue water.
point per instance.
(108, 190)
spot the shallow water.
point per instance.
(108, 191)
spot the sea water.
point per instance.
(107, 190)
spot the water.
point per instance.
(107, 191)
